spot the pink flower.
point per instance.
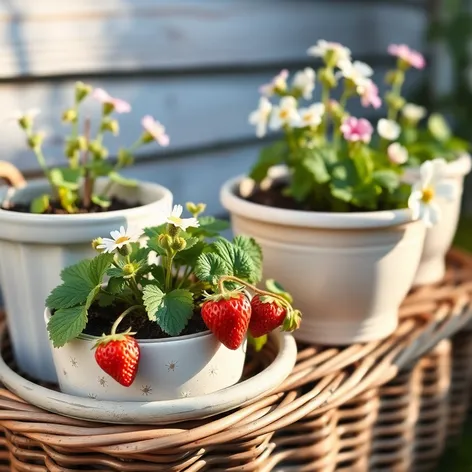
(409, 56)
(279, 82)
(369, 93)
(357, 129)
(154, 131)
(115, 104)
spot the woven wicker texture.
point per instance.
(364, 407)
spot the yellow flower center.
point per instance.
(428, 194)
(175, 220)
(122, 239)
(283, 114)
(308, 117)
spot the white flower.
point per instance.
(388, 129)
(425, 193)
(397, 154)
(260, 117)
(278, 83)
(304, 81)
(285, 113)
(413, 112)
(182, 223)
(322, 47)
(311, 116)
(118, 239)
(358, 72)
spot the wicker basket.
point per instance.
(382, 406)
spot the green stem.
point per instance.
(121, 317)
(168, 282)
(342, 102)
(187, 273)
(396, 91)
(231, 278)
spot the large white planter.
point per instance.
(35, 248)
(439, 238)
(348, 272)
(186, 366)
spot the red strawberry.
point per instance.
(228, 318)
(118, 355)
(267, 314)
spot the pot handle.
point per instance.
(11, 175)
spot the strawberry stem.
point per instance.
(121, 317)
(231, 278)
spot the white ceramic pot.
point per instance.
(348, 272)
(35, 248)
(172, 368)
(439, 238)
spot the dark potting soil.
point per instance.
(274, 197)
(56, 209)
(101, 319)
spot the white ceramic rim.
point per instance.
(89, 337)
(308, 219)
(81, 218)
(155, 412)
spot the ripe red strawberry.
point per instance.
(118, 355)
(267, 314)
(228, 318)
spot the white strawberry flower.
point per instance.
(183, 223)
(322, 48)
(260, 117)
(358, 72)
(430, 188)
(413, 113)
(118, 240)
(278, 83)
(285, 113)
(304, 81)
(311, 116)
(397, 154)
(388, 129)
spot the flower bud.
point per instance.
(81, 143)
(125, 158)
(165, 241)
(35, 141)
(108, 124)
(129, 270)
(81, 91)
(97, 242)
(69, 116)
(331, 58)
(195, 209)
(327, 78)
(98, 151)
(179, 244)
(395, 101)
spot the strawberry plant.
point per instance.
(166, 279)
(73, 188)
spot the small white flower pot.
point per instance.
(169, 369)
(35, 248)
(347, 272)
(439, 238)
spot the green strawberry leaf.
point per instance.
(269, 156)
(387, 179)
(40, 204)
(67, 178)
(189, 256)
(79, 281)
(101, 200)
(315, 167)
(120, 180)
(66, 324)
(254, 251)
(171, 311)
(237, 261)
(210, 267)
(115, 285)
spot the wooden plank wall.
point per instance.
(194, 65)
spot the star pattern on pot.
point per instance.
(73, 362)
(171, 366)
(213, 371)
(185, 394)
(146, 389)
(102, 381)
(93, 396)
